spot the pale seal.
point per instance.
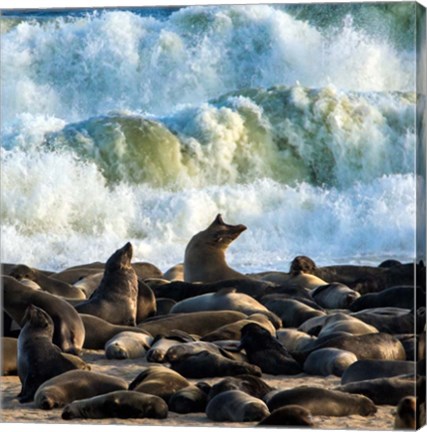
(334, 296)
(128, 345)
(328, 361)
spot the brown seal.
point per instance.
(69, 332)
(38, 358)
(115, 300)
(205, 253)
(9, 352)
(118, 404)
(406, 414)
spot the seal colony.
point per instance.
(90, 342)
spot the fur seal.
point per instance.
(328, 361)
(115, 300)
(38, 358)
(401, 296)
(320, 401)
(118, 404)
(146, 302)
(75, 385)
(380, 346)
(232, 331)
(9, 352)
(161, 344)
(127, 345)
(292, 312)
(406, 414)
(225, 299)
(204, 259)
(249, 384)
(236, 406)
(160, 381)
(199, 323)
(294, 340)
(382, 391)
(290, 415)
(267, 352)
(206, 364)
(371, 369)
(190, 399)
(47, 283)
(69, 331)
(89, 283)
(175, 273)
(178, 352)
(334, 296)
(98, 331)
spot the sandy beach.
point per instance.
(13, 412)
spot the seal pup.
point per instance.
(206, 364)
(328, 361)
(9, 352)
(75, 385)
(128, 345)
(98, 331)
(370, 369)
(406, 414)
(69, 331)
(180, 351)
(160, 381)
(320, 401)
(115, 300)
(334, 296)
(294, 340)
(118, 404)
(161, 344)
(265, 351)
(38, 358)
(47, 283)
(290, 415)
(204, 259)
(190, 399)
(236, 406)
(382, 391)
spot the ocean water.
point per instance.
(142, 124)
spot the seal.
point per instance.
(204, 259)
(401, 296)
(232, 331)
(206, 364)
(225, 299)
(146, 302)
(334, 296)
(199, 323)
(249, 384)
(175, 273)
(180, 351)
(382, 391)
(161, 345)
(47, 283)
(406, 414)
(115, 300)
(118, 404)
(380, 346)
(73, 274)
(370, 369)
(191, 399)
(328, 361)
(75, 385)
(127, 345)
(38, 358)
(98, 331)
(9, 352)
(320, 401)
(160, 381)
(294, 340)
(291, 311)
(236, 406)
(69, 331)
(89, 283)
(290, 415)
(267, 352)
